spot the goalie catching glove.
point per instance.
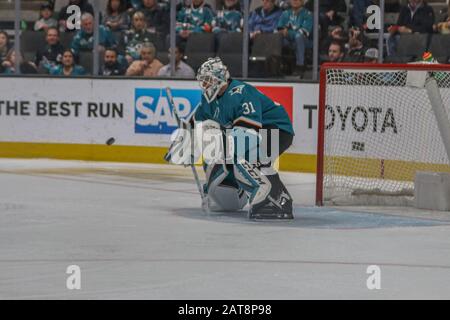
(189, 143)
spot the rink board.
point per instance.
(72, 118)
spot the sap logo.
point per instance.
(153, 113)
(161, 113)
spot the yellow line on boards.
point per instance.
(118, 153)
(357, 167)
(88, 152)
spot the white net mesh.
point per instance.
(378, 132)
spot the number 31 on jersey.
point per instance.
(248, 108)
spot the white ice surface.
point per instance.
(137, 232)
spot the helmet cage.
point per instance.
(212, 77)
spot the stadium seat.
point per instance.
(397, 59)
(391, 18)
(160, 42)
(163, 57)
(199, 47)
(29, 56)
(440, 10)
(230, 51)
(412, 46)
(443, 59)
(65, 38)
(265, 57)
(155, 39)
(85, 60)
(266, 45)
(31, 41)
(120, 45)
(440, 47)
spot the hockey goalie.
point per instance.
(252, 131)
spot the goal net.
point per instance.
(378, 126)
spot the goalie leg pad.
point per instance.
(222, 189)
(252, 181)
(277, 205)
(269, 198)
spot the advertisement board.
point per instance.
(134, 112)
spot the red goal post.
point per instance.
(364, 159)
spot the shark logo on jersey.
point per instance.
(237, 89)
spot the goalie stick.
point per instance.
(194, 171)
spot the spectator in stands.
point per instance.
(328, 10)
(52, 4)
(264, 19)
(371, 55)
(182, 69)
(68, 66)
(51, 54)
(135, 37)
(229, 19)
(84, 39)
(443, 26)
(116, 17)
(5, 65)
(335, 33)
(356, 45)
(4, 45)
(416, 16)
(46, 19)
(164, 4)
(194, 18)
(9, 64)
(148, 65)
(63, 16)
(390, 5)
(380, 78)
(335, 52)
(296, 25)
(134, 5)
(358, 13)
(111, 65)
(157, 19)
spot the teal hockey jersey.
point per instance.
(243, 104)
